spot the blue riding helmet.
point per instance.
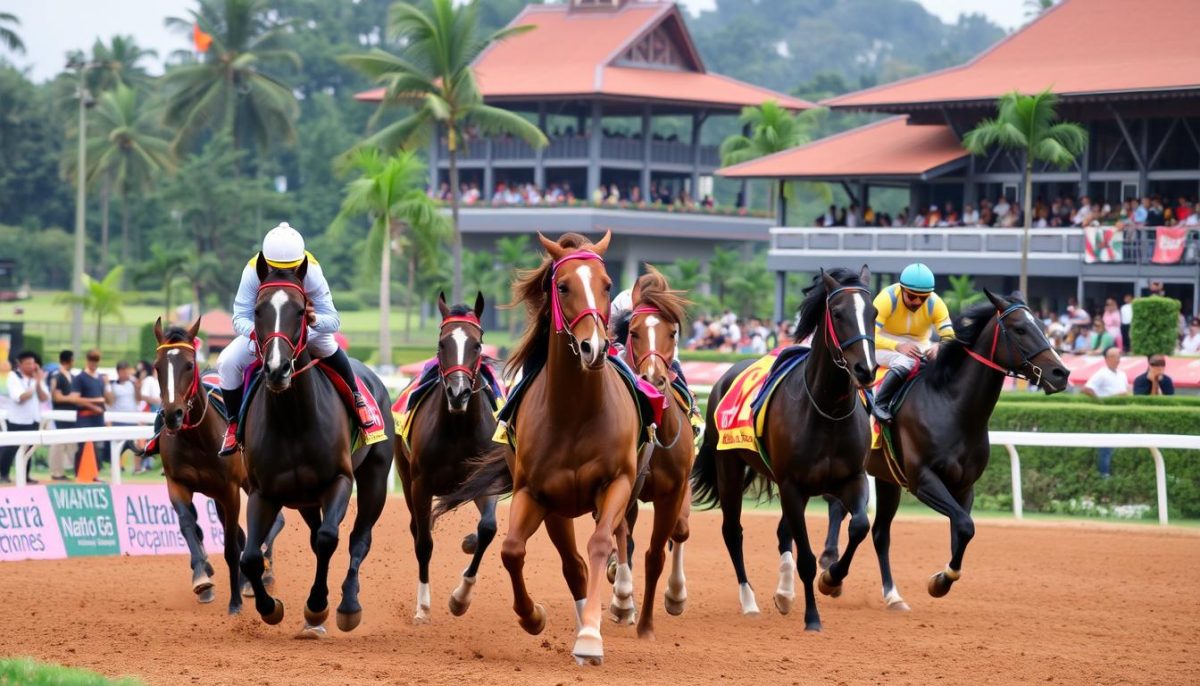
(917, 278)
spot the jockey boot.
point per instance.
(233, 405)
(151, 448)
(882, 407)
(340, 363)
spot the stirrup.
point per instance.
(366, 418)
(229, 445)
(150, 450)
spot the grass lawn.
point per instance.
(27, 672)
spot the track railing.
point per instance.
(27, 441)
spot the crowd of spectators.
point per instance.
(730, 334)
(1076, 331)
(527, 194)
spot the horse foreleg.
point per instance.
(525, 516)
(730, 472)
(837, 512)
(853, 497)
(260, 514)
(371, 479)
(785, 592)
(562, 534)
(269, 549)
(887, 501)
(933, 492)
(666, 518)
(189, 526)
(675, 597)
(623, 543)
(334, 502)
(422, 504)
(621, 608)
(485, 532)
(793, 503)
(611, 504)
(228, 510)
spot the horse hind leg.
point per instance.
(785, 592)
(621, 608)
(730, 474)
(260, 513)
(189, 526)
(887, 502)
(233, 546)
(485, 532)
(422, 503)
(675, 597)
(666, 518)
(589, 646)
(854, 498)
(371, 479)
(794, 502)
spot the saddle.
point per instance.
(406, 404)
(741, 413)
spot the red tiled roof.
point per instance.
(886, 148)
(572, 54)
(1080, 47)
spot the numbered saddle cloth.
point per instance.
(739, 416)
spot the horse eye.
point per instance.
(478, 347)
(608, 288)
(1020, 330)
(562, 288)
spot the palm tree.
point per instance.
(8, 37)
(227, 88)
(434, 75)
(117, 64)
(514, 254)
(164, 265)
(481, 273)
(721, 268)
(686, 275)
(962, 294)
(390, 191)
(772, 129)
(1026, 124)
(102, 298)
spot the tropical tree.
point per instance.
(514, 254)
(434, 76)
(721, 268)
(389, 190)
(1034, 8)
(686, 275)
(773, 129)
(1026, 124)
(164, 267)
(102, 298)
(117, 64)
(8, 37)
(962, 294)
(481, 273)
(228, 87)
(746, 286)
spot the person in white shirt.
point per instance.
(1107, 382)
(1126, 320)
(26, 393)
(1191, 340)
(1001, 207)
(970, 216)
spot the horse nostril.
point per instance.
(1059, 372)
(585, 347)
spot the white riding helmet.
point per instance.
(283, 247)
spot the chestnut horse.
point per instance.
(192, 433)
(816, 434)
(575, 441)
(941, 429)
(444, 437)
(651, 334)
(298, 453)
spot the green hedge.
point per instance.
(1155, 327)
(714, 356)
(147, 343)
(37, 343)
(1025, 397)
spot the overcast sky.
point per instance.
(50, 28)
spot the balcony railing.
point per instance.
(578, 147)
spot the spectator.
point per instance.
(26, 393)
(1101, 339)
(951, 216)
(1155, 215)
(62, 398)
(1126, 320)
(91, 389)
(126, 395)
(1001, 207)
(852, 218)
(1142, 212)
(1112, 321)
(1108, 382)
(970, 215)
(1154, 380)
(151, 401)
(1190, 345)
(830, 218)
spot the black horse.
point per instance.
(443, 440)
(816, 434)
(940, 432)
(298, 453)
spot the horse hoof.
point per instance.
(621, 615)
(612, 569)
(312, 633)
(315, 617)
(207, 596)
(422, 616)
(348, 621)
(247, 590)
(589, 648)
(276, 615)
(235, 610)
(674, 606)
(458, 608)
(898, 606)
(827, 586)
(535, 623)
(469, 543)
(814, 627)
(199, 586)
(784, 603)
(646, 634)
(939, 585)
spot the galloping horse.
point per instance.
(816, 435)
(941, 429)
(652, 334)
(188, 444)
(574, 445)
(298, 453)
(443, 438)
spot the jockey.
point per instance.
(909, 314)
(283, 248)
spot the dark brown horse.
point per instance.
(444, 438)
(298, 453)
(575, 439)
(816, 435)
(653, 328)
(191, 435)
(941, 430)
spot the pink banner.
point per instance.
(28, 529)
(147, 524)
(1169, 244)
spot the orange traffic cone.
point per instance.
(88, 471)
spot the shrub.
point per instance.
(350, 301)
(714, 356)
(37, 343)
(147, 343)
(1155, 327)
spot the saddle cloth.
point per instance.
(405, 407)
(739, 416)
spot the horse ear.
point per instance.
(158, 334)
(553, 249)
(864, 275)
(602, 247)
(442, 306)
(194, 330)
(831, 283)
(261, 267)
(478, 304)
(999, 302)
(302, 270)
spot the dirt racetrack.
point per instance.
(1070, 603)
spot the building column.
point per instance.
(780, 294)
(539, 167)
(697, 122)
(489, 174)
(1143, 151)
(1085, 166)
(644, 182)
(595, 135)
(433, 158)
(863, 200)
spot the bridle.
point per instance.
(560, 317)
(472, 372)
(297, 347)
(192, 391)
(1035, 372)
(636, 361)
(837, 349)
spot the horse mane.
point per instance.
(532, 287)
(967, 330)
(654, 291)
(176, 334)
(812, 309)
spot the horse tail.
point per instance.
(704, 476)
(489, 476)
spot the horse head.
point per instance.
(280, 326)
(460, 351)
(654, 325)
(850, 323)
(175, 367)
(1019, 346)
(579, 297)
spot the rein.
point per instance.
(297, 347)
(560, 317)
(472, 372)
(1035, 375)
(193, 390)
(837, 351)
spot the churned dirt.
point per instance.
(1073, 603)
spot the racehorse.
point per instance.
(443, 438)
(651, 333)
(816, 435)
(941, 430)
(298, 453)
(188, 444)
(574, 444)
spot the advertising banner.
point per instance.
(85, 518)
(1103, 244)
(148, 524)
(1169, 243)
(28, 527)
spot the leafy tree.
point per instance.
(229, 88)
(8, 37)
(687, 276)
(31, 141)
(773, 129)
(102, 298)
(722, 267)
(481, 273)
(433, 74)
(164, 266)
(514, 254)
(1026, 124)
(746, 286)
(118, 64)
(43, 258)
(962, 294)
(1034, 8)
